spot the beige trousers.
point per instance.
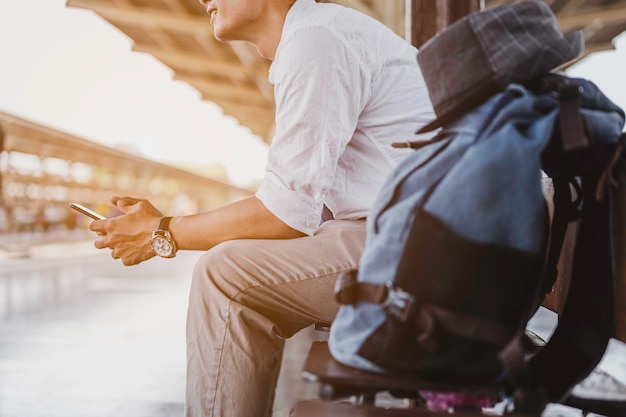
(246, 298)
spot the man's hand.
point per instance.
(128, 235)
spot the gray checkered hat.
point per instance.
(480, 54)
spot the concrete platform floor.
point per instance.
(83, 336)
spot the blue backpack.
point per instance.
(460, 248)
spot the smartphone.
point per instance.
(86, 211)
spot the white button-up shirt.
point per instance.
(346, 88)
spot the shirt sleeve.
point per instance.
(320, 90)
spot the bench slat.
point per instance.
(334, 409)
(321, 367)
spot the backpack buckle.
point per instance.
(398, 302)
(346, 288)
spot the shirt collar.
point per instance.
(293, 11)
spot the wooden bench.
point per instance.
(338, 381)
(343, 409)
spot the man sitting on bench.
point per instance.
(346, 87)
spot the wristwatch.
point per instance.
(162, 241)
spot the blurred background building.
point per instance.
(42, 170)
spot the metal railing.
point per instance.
(42, 170)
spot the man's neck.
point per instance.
(268, 39)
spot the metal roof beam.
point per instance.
(215, 90)
(194, 62)
(136, 16)
(578, 20)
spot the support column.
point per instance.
(429, 17)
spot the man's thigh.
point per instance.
(288, 281)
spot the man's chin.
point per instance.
(222, 37)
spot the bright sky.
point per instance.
(606, 69)
(69, 69)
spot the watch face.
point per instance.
(161, 246)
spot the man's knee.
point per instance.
(218, 268)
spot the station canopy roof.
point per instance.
(234, 76)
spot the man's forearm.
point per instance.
(244, 219)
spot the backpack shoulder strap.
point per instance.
(586, 322)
